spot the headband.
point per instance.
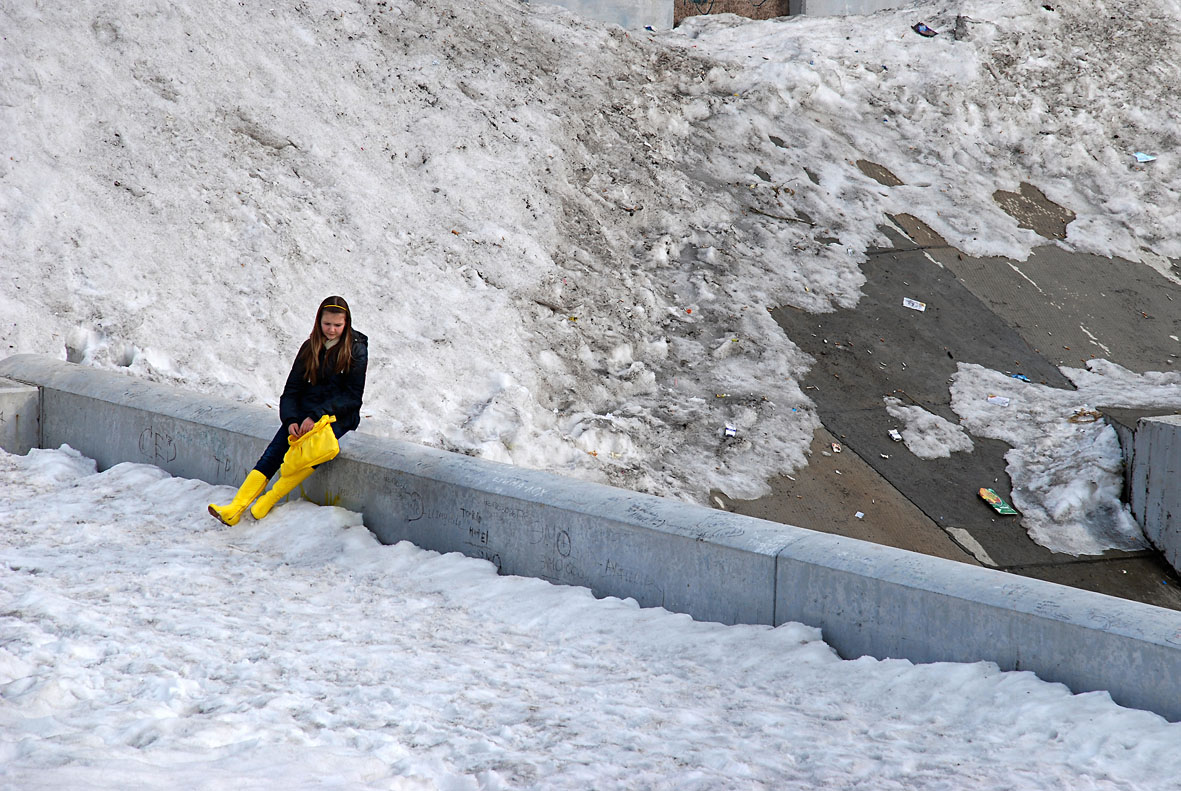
(338, 307)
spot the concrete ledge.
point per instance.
(20, 411)
(879, 601)
(712, 565)
(1155, 485)
(868, 599)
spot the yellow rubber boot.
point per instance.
(250, 489)
(280, 490)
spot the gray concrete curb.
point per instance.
(867, 599)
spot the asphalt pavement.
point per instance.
(1057, 308)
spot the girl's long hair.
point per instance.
(340, 357)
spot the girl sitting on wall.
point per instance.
(327, 378)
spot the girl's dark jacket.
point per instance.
(338, 394)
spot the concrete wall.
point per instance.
(751, 9)
(769, 9)
(20, 410)
(1155, 485)
(842, 7)
(632, 14)
(867, 599)
(663, 14)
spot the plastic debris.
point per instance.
(914, 304)
(924, 31)
(894, 435)
(884, 455)
(1085, 415)
(836, 447)
(1142, 157)
(730, 431)
(998, 400)
(1000, 506)
(1022, 377)
(860, 514)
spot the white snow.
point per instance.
(926, 434)
(141, 648)
(562, 239)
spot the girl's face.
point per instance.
(331, 324)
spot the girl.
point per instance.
(328, 378)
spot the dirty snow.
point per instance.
(1066, 465)
(562, 238)
(926, 434)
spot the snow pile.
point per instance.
(561, 238)
(1066, 465)
(1062, 96)
(509, 197)
(139, 648)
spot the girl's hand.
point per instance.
(298, 431)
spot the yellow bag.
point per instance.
(316, 447)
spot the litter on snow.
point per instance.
(1022, 377)
(894, 435)
(914, 304)
(1000, 506)
(923, 30)
(1085, 415)
(730, 431)
(998, 400)
(1142, 157)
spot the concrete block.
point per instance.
(1155, 490)
(1126, 423)
(632, 14)
(842, 7)
(20, 417)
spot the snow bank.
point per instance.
(141, 648)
